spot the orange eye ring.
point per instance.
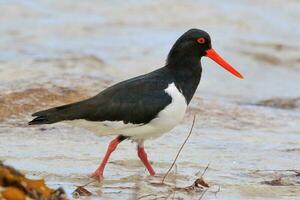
(201, 40)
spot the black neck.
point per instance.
(184, 63)
(186, 78)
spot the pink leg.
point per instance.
(144, 158)
(98, 174)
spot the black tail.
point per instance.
(39, 120)
(53, 115)
(49, 116)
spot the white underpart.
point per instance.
(165, 121)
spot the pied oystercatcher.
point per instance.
(148, 105)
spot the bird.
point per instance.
(146, 106)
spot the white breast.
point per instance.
(172, 114)
(166, 120)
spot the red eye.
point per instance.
(201, 40)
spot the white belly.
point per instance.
(165, 121)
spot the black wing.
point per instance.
(136, 100)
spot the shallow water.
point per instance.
(53, 53)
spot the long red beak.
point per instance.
(212, 54)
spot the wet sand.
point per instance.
(248, 131)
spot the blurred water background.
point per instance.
(56, 52)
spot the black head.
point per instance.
(191, 46)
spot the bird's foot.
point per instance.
(97, 176)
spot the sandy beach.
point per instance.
(248, 131)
